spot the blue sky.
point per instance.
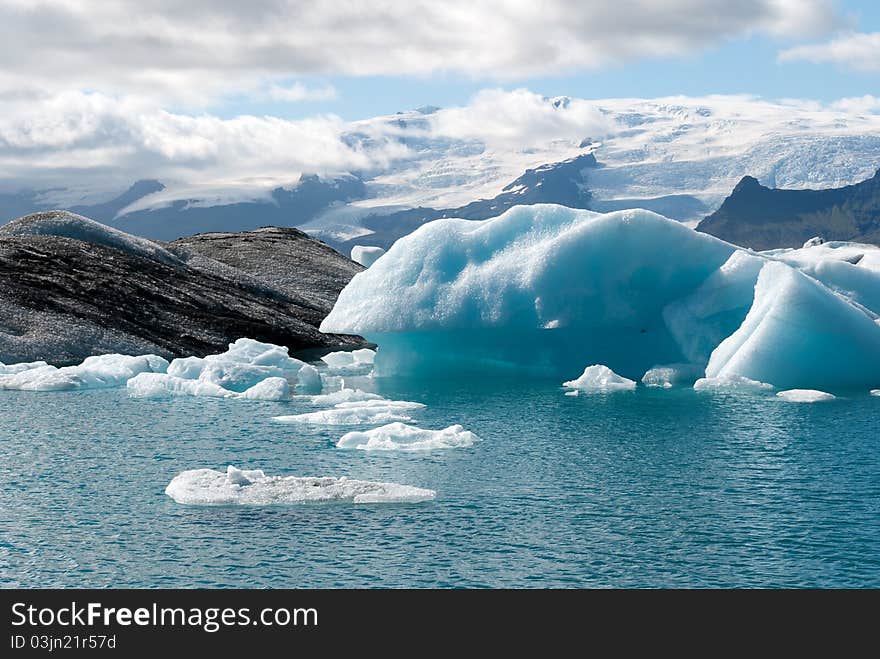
(747, 65)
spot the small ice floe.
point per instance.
(366, 255)
(161, 385)
(804, 395)
(12, 369)
(598, 379)
(244, 364)
(367, 412)
(673, 375)
(344, 396)
(207, 487)
(875, 392)
(401, 437)
(353, 360)
(99, 372)
(730, 383)
(308, 380)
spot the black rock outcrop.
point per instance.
(71, 287)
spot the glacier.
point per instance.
(541, 289)
(208, 487)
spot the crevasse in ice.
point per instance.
(546, 290)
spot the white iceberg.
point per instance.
(541, 287)
(804, 396)
(11, 369)
(248, 370)
(368, 412)
(98, 372)
(273, 389)
(672, 375)
(731, 383)
(308, 380)
(246, 363)
(207, 487)
(875, 392)
(160, 385)
(354, 359)
(599, 379)
(366, 255)
(344, 396)
(401, 437)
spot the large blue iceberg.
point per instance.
(546, 290)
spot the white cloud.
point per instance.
(857, 50)
(520, 119)
(91, 139)
(299, 92)
(192, 52)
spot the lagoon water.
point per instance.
(649, 488)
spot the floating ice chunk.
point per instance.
(186, 367)
(381, 403)
(99, 372)
(160, 385)
(401, 437)
(347, 360)
(350, 416)
(600, 379)
(730, 383)
(245, 364)
(235, 476)
(804, 395)
(236, 376)
(268, 389)
(308, 380)
(798, 333)
(672, 375)
(875, 392)
(11, 369)
(344, 396)
(365, 255)
(207, 487)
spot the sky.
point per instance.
(214, 88)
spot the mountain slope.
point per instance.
(765, 218)
(563, 183)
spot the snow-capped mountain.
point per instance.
(678, 156)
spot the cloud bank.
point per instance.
(857, 50)
(196, 51)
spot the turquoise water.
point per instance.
(653, 488)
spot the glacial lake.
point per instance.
(670, 488)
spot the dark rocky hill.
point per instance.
(765, 218)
